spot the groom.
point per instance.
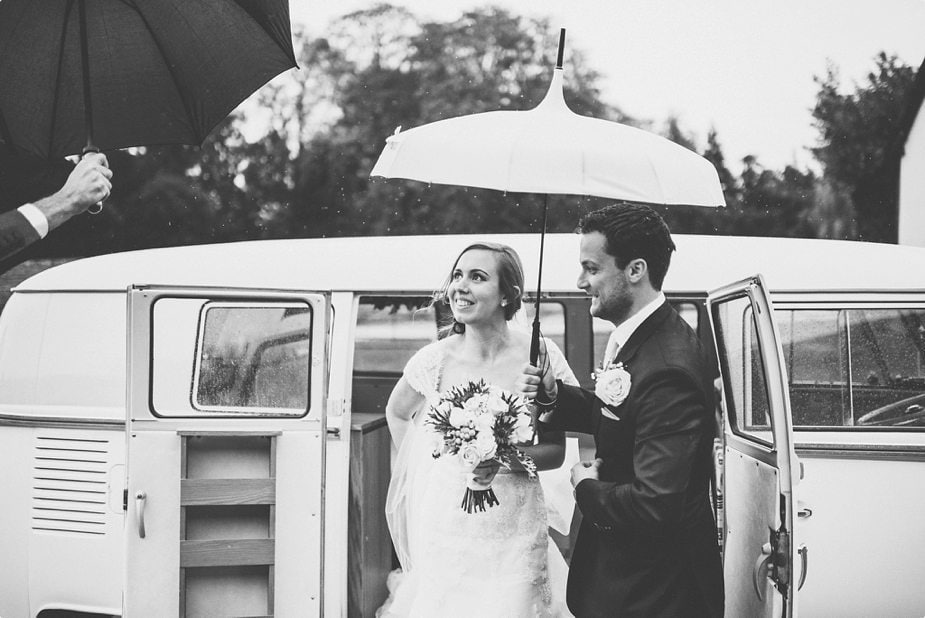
(647, 542)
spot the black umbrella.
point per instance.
(85, 75)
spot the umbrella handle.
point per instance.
(97, 208)
(535, 339)
(561, 48)
(535, 343)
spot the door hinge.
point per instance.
(780, 562)
(125, 499)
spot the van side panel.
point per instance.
(21, 336)
(63, 355)
(76, 536)
(62, 452)
(864, 533)
(82, 362)
(15, 447)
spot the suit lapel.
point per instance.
(645, 330)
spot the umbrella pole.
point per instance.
(535, 340)
(94, 209)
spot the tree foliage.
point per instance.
(857, 139)
(305, 172)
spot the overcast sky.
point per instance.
(745, 67)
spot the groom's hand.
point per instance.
(532, 379)
(585, 470)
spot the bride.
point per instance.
(493, 563)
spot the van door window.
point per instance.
(855, 367)
(390, 329)
(740, 357)
(231, 358)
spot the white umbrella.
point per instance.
(550, 149)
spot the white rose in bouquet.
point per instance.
(473, 404)
(523, 429)
(469, 456)
(459, 417)
(485, 423)
(496, 404)
(486, 445)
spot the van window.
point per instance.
(743, 370)
(389, 330)
(235, 358)
(855, 367)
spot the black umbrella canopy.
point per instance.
(122, 73)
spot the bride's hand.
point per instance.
(485, 472)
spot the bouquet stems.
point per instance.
(478, 500)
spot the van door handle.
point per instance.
(804, 558)
(140, 498)
(760, 566)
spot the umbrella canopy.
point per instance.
(550, 149)
(117, 73)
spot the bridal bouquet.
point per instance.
(475, 423)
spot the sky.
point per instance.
(743, 67)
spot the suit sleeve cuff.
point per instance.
(36, 218)
(588, 498)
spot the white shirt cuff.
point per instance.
(36, 218)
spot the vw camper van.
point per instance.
(200, 431)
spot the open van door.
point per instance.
(759, 459)
(226, 452)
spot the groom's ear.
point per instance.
(637, 270)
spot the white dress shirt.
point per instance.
(36, 218)
(622, 333)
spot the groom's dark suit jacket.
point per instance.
(15, 233)
(647, 543)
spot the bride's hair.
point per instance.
(510, 281)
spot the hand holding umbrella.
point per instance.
(88, 185)
(82, 76)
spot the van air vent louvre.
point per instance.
(69, 484)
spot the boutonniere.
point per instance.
(612, 384)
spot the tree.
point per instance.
(856, 132)
(412, 73)
(714, 154)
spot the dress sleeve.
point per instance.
(423, 370)
(559, 366)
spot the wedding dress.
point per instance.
(499, 562)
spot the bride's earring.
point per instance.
(504, 303)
